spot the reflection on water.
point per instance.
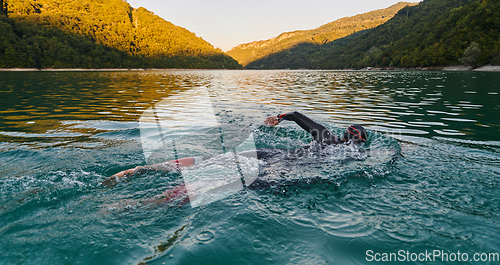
(459, 105)
(427, 179)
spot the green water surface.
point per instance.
(63, 133)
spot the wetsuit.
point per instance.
(319, 132)
(281, 158)
(275, 157)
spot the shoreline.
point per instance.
(95, 69)
(455, 68)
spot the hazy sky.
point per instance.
(227, 23)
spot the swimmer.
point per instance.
(320, 133)
(354, 134)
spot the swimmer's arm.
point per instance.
(302, 120)
(168, 166)
(113, 180)
(319, 132)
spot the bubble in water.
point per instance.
(205, 236)
(257, 244)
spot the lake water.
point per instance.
(427, 180)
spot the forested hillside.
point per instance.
(98, 34)
(247, 53)
(433, 33)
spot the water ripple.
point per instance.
(427, 179)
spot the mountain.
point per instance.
(247, 53)
(98, 34)
(432, 33)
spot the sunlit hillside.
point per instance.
(246, 53)
(432, 33)
(98, 33)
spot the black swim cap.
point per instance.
(356, 133)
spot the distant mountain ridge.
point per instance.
(98, 33)
(432, 33)
(248, 52)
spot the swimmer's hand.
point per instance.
(272, 121)
(113, 180)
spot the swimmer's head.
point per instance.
(356, 133)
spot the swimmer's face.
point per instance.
(356, 133)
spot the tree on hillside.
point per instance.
(471, 55)
(3, 7)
